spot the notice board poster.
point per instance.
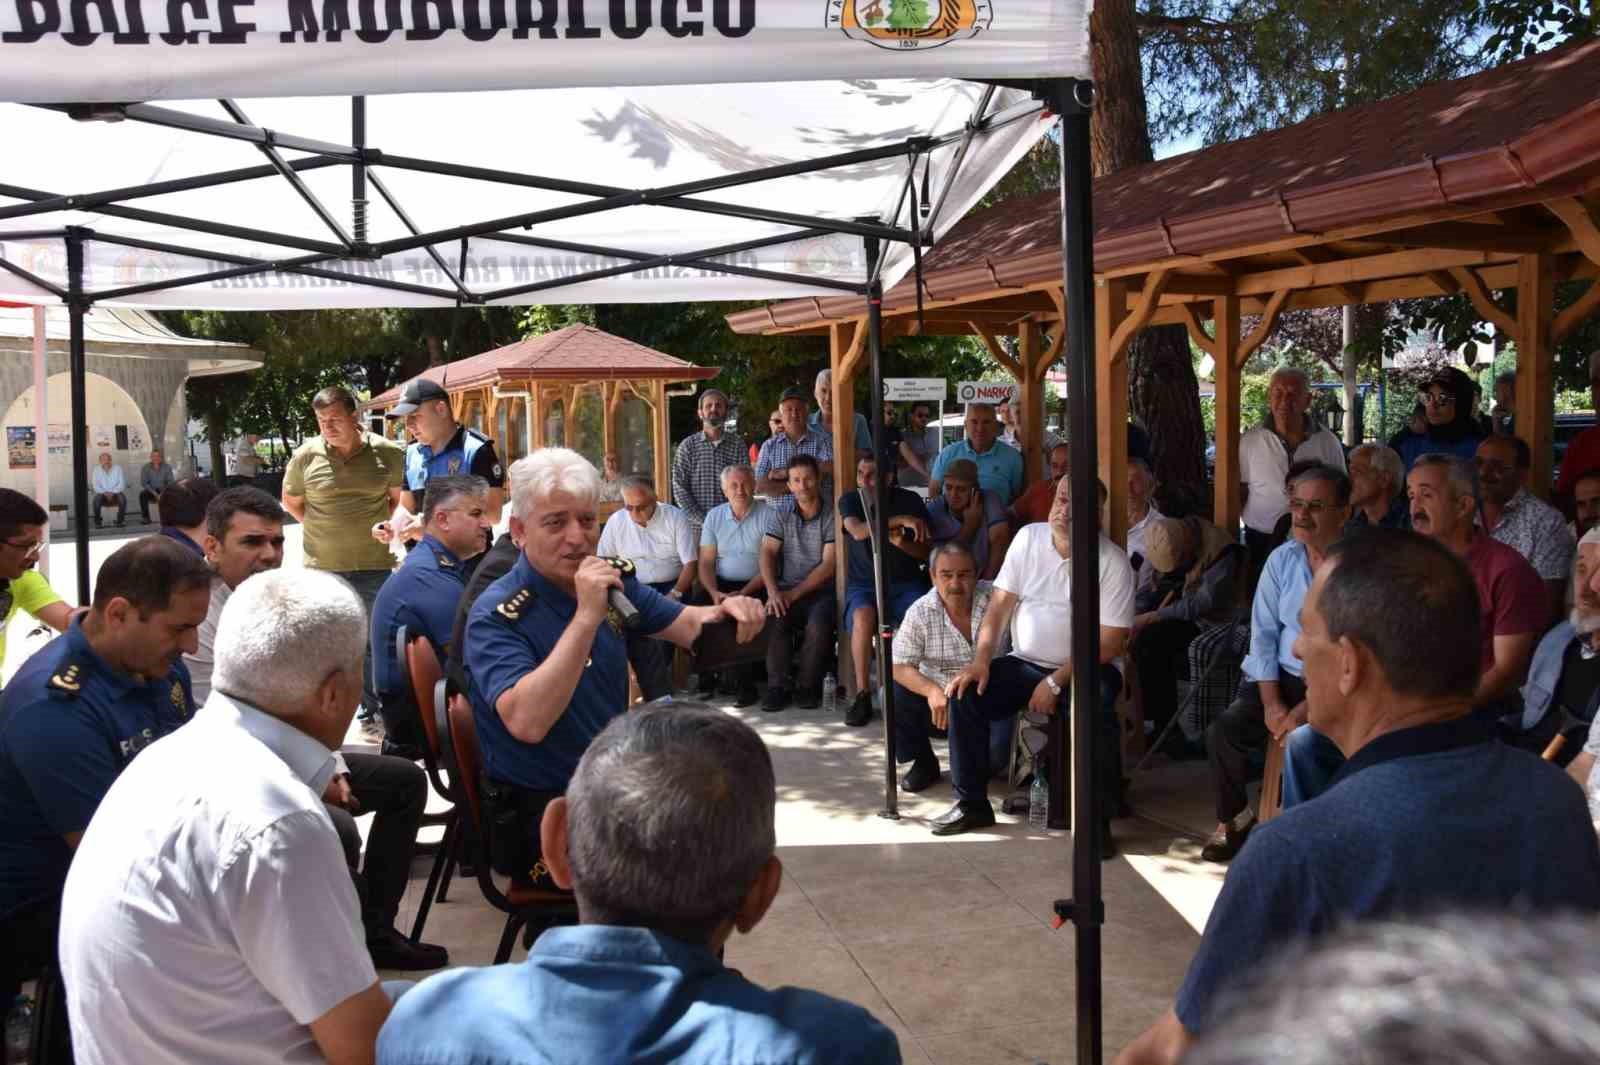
(21, 449)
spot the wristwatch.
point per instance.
(1050, 679)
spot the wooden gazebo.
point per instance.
(577, 387)
(1480, 185)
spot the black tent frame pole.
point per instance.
(78, 374)
(884, 637)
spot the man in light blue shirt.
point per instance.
(999, 466)
(665, 835)
(821, 420)
(1272, 696)
(730, 560)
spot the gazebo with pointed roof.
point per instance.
(585, 388)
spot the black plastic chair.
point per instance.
(426, 681)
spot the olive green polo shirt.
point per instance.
(345, 498)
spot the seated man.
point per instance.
(730, 560)
(183, 511)
(495, 563)
(1377, 488)
(1033, 597)
(1563, 687)
(1271, 698)
(244, 538)
(422, 595)
(1521, 520)
(224, 927)
(659, 541)
(797, 567)
(1034, 504)
(22, 538)
(1585, 503)
(1428, 812)
(1198, 581)
(906, 551)
(1142, 513)
(933, 645)
(110, 488)
(75, 715)
(975, 516)
(641, 977)
(156, 477)
(545, 659)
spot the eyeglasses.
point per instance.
(27, 547)
(1307, 506)
(1438, 399)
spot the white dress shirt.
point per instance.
(659, 550)
(110, 481)
(1264, 462)
(1146, 573)
(1034, 572)
(208, 915)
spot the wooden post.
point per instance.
(663, 443)
(1111, 405)
(840, 337)
(1226, 506)
(1031, 349)
(1535, 364)
(611, 396)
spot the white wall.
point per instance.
(109, 405)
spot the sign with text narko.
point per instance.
(986, 392)
(907, 389)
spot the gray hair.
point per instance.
(1331, 475)
(283, 633)
(949, 547)
(1383, 459)
(670, 819)
(1460, 473)
(824, 377)
(638, 482)
(548, 470)
(443, 491)
(1294, 372)
(737, 467)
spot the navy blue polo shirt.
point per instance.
(1419, 820)
(509, 634)
(422, 595)
(69, 724)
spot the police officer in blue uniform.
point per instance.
(423, 594)
(75, 715)
(442, 447)
(545, 658)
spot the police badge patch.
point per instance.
(454, 466)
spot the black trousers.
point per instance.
(146, 497)
(743, 677)
(651, 658)
(1238, 731)
(27, 945)
(1159, 653)
(1011, 683)
(814, 614)
(100, 501)
(913, 727)
(396, 791)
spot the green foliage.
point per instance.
(1519, 28)
(908, 14)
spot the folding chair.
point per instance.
(427, 691)
(528, 907)
(1272, 782)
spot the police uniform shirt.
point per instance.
(468, 452)
(69, 724)
(513, 627)
(421, 595)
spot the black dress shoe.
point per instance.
(748, 696)
(860, 711)
(776, 700)
(808, 698)
(964, 819)
(1225, 843)
(920, 776)
(391, 950)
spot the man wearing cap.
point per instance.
(971, 515)
(796, 438)
(443, 447)
(700, 459)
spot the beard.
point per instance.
(1584, 621)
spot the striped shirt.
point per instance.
(802, 538)
(778, 451)
(697, 473)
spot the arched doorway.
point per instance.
(115, 425)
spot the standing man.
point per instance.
(657, 538)
(183, 511)
(972, 515)
(1141, 513)
(1266, 452)
(999, 466)
(822, 420)
(906, 552)
(698, 464)
(1378, 489)
(153, 480)
(75, 715)
(730, 559)
(918, 447)
(1033, 597)
(22, 538)
(1521, 520)
(110, 489)
(342, 486)
(242, 462)
(797, 567)
(442, 447)
(544, 653)
(795, 438)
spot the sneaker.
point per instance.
(776, 700)
(860, 711)
(391, 950)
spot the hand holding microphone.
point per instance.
(614, 596)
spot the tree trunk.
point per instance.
(1164, 394)
(216, 429)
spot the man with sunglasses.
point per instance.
(22, 527)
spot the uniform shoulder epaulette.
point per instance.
(511, 606)
(444, 561)
(67, 680)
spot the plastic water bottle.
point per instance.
(19, 1031)
(830, 688)
(1038, 800)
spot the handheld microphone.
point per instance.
(614, 597)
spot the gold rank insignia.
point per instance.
(179, 702)
(66, 679)
(511, 609)
(444, 562)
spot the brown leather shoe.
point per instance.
(1225, 842)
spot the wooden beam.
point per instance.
(1269, 322)
(1365, 268)
(1197, 332)
(1225, 508)
(1575, 315)
(996, 352)
(849, 339)
(1536, 364)
(1200, 284)
(1139, 317)
(1030, 348)
(1111, 402)
(1580, 220)
(1469, 236)
(663, 442)
(1483, 300)
(1313, 255)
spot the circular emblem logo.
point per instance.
(903, 25)
(966, 393)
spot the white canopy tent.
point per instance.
(497, 162)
